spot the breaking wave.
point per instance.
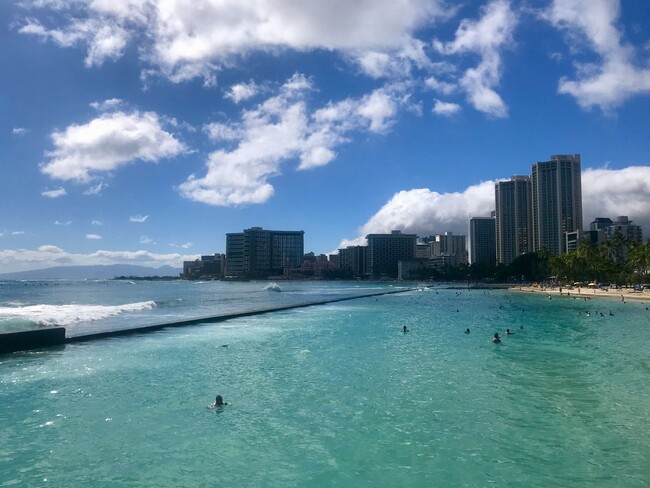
(70, 314)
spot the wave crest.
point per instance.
(71, 314)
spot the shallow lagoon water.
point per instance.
(337, 395)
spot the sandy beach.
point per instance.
(622, 294)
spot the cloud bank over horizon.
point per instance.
(605, 193)
(48, 256)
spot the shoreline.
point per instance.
(622, 295)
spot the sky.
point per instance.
(142, 131)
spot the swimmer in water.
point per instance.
(405, 329)
(508, 332)
(496, 339)
(466, 331)
(218, 402)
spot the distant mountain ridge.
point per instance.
(97, 272)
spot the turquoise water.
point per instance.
(337, 395)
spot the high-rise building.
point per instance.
(482, 240)
(626, 228)
(556, 202)
(385, 250)
(354, 259)
(600, 223)
(453, 247)
(513, 223)
(256, 252)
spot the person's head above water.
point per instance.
(218, 401)
(496, 335)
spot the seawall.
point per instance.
(56, 336)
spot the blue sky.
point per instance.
(137, 131)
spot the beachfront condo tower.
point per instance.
(557, 202)
(385, 250)
(259, 253)
(513, 218)
(482, 240)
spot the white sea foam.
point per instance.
(70, 314)
(273, 287)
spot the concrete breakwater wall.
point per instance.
(56, 336)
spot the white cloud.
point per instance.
(60, 192)
(146, 240)
(186, 245)
(18, 233)
(66, 223)
(105, 38)
(138, 218)
(19, 131)
(97, 189)
(182, 39)
(106, 143)
(110, 104)
(97, 222)
(442, 87)
(615, 78)
(379, 108)
(281, 129)
(609, 193)
(605, 193)
(243, 91)
(94, 237)
(49, 256)
(485, 37)
(394, 63)
(221, 132)
(445, 108)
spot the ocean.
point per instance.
(331, 395)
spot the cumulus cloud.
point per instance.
(105, 38)
(615, 77)
(605, 193)
(242, 91)
(106, 143)
(138, 218)
(280, 129)
(611, 192)
(442, 87)
(110, 104)
(60, 192)
(93, 237)
(50, 255)
(486, 37)
(19, 131)
(445, 108)
(182, 40)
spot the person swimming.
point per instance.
(405, 329)
(496, 339)
(218, 402)
(508, 332)
(466, 331)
